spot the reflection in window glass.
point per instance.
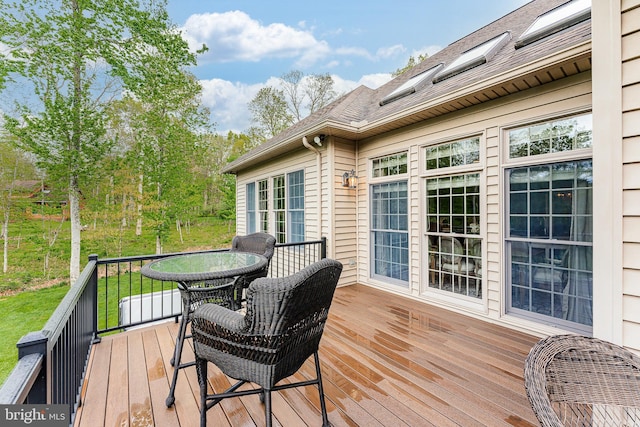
(295, 196)
(279, 209)
(549, 243)
(543, 201)
(390, 231)
(263, 205)
(555, 20)
(251, 207)
(457, 153)
(395, 164)
(573, 133)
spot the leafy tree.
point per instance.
(293, 94)
(269, 112)
(319, 91)
(275, 109)
(160, 134)
(412, 62)
(13, 166)
(75, 54)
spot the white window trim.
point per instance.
(506, 164)
(478, 305)
(271, 217)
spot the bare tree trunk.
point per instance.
(5, 236)
(74, 205)
(158, 245)
(124, 211)
(5, 224)
(52, 241)
(179, 228)
(139, 207)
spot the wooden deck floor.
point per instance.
(386, 361)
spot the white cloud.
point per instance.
(374, 81)
(235, 36)
(429, 50)
(354, 51)
(390, 51)
(228, 100)
(228, 103)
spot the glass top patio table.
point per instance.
(204, 266)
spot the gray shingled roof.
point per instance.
(360, 107)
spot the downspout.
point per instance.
(305, 142)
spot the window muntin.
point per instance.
(263, 205)
(279, 206)
(563, 16)
(390, 231)
(285, 200)
(451, 154)
(295, 199)
(453, 234)
(251, 207)
(568, 134)
(550, 242)
(395, 164)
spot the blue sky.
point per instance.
(252, 42)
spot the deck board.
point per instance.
(386, 361)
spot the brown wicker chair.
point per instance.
(282, 327)
(257, 243)
(573, 380)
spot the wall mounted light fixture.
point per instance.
(319, 139)
(349, 179)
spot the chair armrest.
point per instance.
(221, 316)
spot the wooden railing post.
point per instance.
(35, 343)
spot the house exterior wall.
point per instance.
(343, 216)
(630, 33)
(610, 91)
(328, 207)
(616, 106)
(572, 95)
(300, 159)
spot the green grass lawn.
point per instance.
(32, 292)
(22, 313)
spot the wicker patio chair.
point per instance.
(573, 380)
(257, 243)
(218, 291)
(282, 327)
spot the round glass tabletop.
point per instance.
(204, 266)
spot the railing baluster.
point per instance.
(52, 362)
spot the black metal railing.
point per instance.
(109, 296)
(52, 362)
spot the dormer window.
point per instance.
(474, 57)
(556, 20)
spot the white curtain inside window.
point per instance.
(578, 293)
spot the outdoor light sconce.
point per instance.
(319, 139)
(349, 179)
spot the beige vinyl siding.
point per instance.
(322, 192)
(569, 96)
(490, 223)
(345, 228)
(630, 29)
(300, 159)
